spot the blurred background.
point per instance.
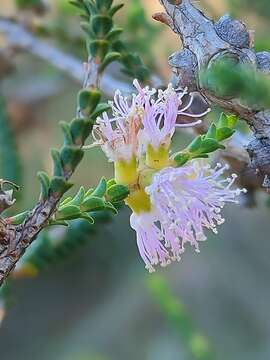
(95, 301)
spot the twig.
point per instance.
(204, 43)
(18, 37)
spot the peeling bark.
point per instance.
(205, 41)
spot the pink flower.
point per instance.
(148, 117)
(185, 201)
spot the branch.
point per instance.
(205, 43)
(17, 37)
(14, 239)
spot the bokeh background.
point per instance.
(97, 302)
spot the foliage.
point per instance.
(227, 79)
(197, 345)
(202, 145)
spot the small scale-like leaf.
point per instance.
(115, 8)
(111, 207)
(67, 134)
(210, 145)
(181, 158)
(18, 219)
(79, 197)
(224, 133)
(59, 185)
(45, 184)
(101, 189)
(211, 133)
(93, 203)
(109, 58)
(195, 144)
(57, 164)
(68, 212)
(117, 192)
(100, 109)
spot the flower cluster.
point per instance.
(171, 205)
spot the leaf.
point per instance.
(101, 189)
(224, 133)
(45, 183)
(100, 109)
(109, 58)
(181, 159)
(68, 212)
(93, 203)
(195, 144)
(117, 192)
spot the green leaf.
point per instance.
(88, 100)
(224, 133)
(100, 109)
(111, 207)
(45, 184)
(109, 58)
(18, 219)
(181, 158)
(98, 48)
(68, 212)
(71, 156)
(101, 189)
(210, 145)
(57, 164)
(211, 133)
(195, 144)
(78, 198)
(59, 185)
(117, 192)
(101, 25)
(67, 134)
(80, 130)
(93, 203)
(88, 218)
(223, 121)
(232, 121)
(113, 34)
(115, 8)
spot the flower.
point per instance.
(184, 202)
(140, 121)
(171, 205)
